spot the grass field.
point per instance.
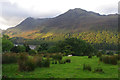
(68, 70)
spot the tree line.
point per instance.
(74, 46)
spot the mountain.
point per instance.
(74, 20)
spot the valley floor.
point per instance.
(68, 70)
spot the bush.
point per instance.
(9, 58)
(57, 57)
(62, 62)
(18, 49)
(68, 60)
(109, 59)
(99, 54)
(31, 52)
(46, 63)
(6, 45)
(99, 69)
(103, 52)
(29, 65)
(52, 49)
(38, 60)
(110, 53)
(90, 56)
(25, 63)
(87, 67)
(55, 62)
(118, 52)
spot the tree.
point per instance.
(52, 49)
(27, 48)
(74, 46)
(42, 47)
(6, 45)
(89, 50)
(18, 49)
(5, 37)
(31, 52)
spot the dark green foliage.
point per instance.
(75, 47)
(25, 63)
(110, 53)
(6, 45)
(87, 67)
(118, 52)
(32, 52)
(90, 56)
(52, 49)
(109, 59)
(55, 62)
(68, 60)
(27, 48)
(18, 49)
(42, 47)
(103, 52)
(62, 62)
(5, 36)
(57, 57)
(9, 58)
(99, 70)
(99, 54)
(46, 63)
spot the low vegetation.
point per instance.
(67, 70)
(70, 56)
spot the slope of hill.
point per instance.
(74, 20)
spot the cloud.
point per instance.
(15, 11)
(108, 9)
(12, 14)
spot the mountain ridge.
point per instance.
(74, 20)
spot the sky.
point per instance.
(12, 12)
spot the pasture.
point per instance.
(68, 70)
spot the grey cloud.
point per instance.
(13, 14)
(108, 9)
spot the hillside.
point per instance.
(74, 20)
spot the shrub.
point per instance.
(103, 52)
(52, 49)
(55, 62)
(31, 52)
(68, 60)
(29, 65)
(46, 63)
(87, 67)
(118, 52)
(62, 62)
(118, 57)
(99, 54)
(46, 55)
(109, 59)
(110, 53)
(25, 63)
(90, 56)
(38, 60)
(9, 58)
(57, 57)
(18, 49)
(6, 45)
(99, 69)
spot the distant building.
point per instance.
(31, 46)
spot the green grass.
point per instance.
(68, 70)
